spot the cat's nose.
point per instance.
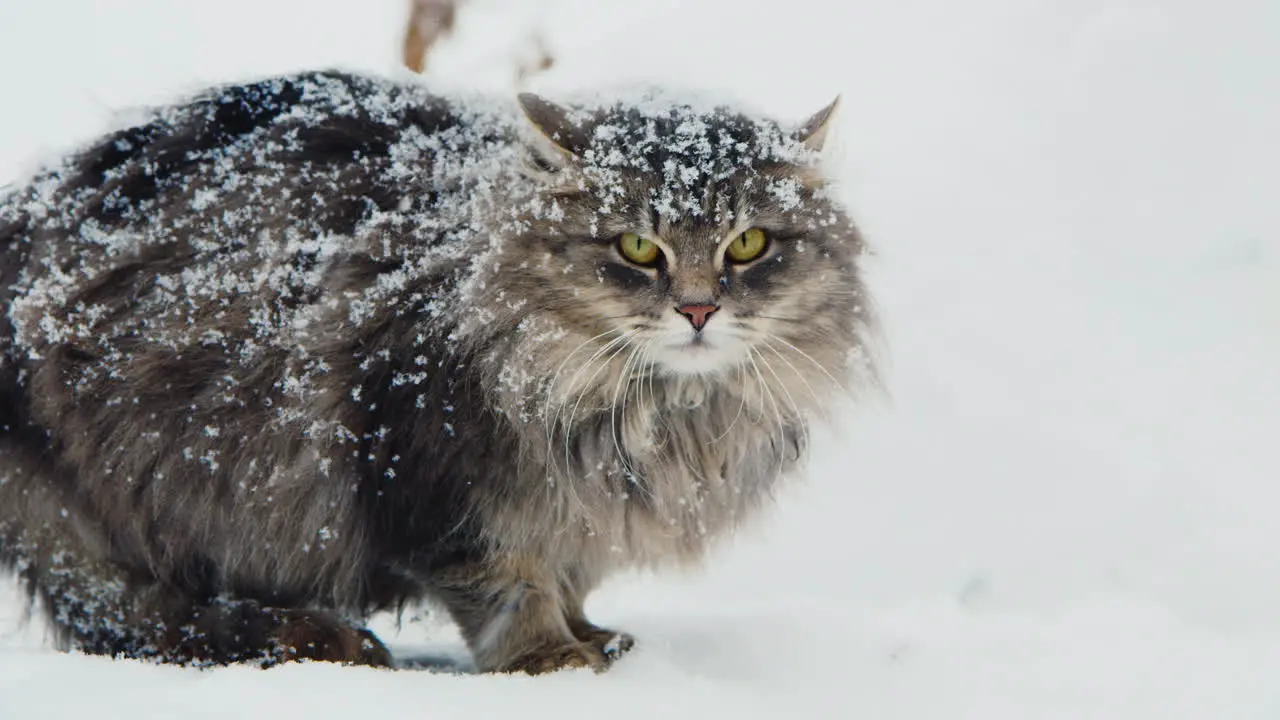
(697, 314)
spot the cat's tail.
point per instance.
(59, 559)
(13, 228)
(98, 606)
(42, 540)
(14, 247)
(38, 543)
(14, 490)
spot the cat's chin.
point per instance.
(699, 358)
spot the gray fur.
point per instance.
(301, 350)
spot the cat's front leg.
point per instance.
(512, 613)
(612, 643)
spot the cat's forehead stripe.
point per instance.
(693, 157)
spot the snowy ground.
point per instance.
(1066, 510)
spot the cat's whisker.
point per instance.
(780, 385)
(568, 430)
(653, 393)
(817, 399)
(644, 373)
(600, 360)
(816, 364)
(779, 421)
(741, 404)
(647, 360)
(816, 333)
(622, 388)
(587, 366)
(799, 414)
(774, 317)
(570, 487)
(554, 422)
(550, 418)
(766, 393)
(656, 384)
(555, 376)
(759, 418)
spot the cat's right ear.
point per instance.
(555, 126)
(813, 133)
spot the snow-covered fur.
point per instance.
(303, 349)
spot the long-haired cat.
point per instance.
(300, 350)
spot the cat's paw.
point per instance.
(245, 631)
(610, 643)
(301, 635)
(559, 657)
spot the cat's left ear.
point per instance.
(555, 125)
(813, 133)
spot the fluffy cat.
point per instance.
(300, 350)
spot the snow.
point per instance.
(1065, 508)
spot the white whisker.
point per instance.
(568, 429)
(555, 376)
(799, 415)
(816, 364)
(808, 386)
(777, 412)
(586, 366)
(550, 419)
(646, 351)
(621, 390)
(570, 489)
(741, 404)
(653, 394)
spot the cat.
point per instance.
(299, 350)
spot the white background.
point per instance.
(1067, 506)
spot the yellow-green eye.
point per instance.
(748, 246)
(638, 250)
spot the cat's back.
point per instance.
(232, 253)
(192, 304)
(250, 194)
(324, 149)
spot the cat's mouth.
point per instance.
(699, 354)
(695, 342)
(679, 349)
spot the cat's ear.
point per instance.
(814, 132)
(554, 125)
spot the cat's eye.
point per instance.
(748, 246)
(638, 250)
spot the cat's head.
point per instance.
(686, 241)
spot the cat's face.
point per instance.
(690, 242)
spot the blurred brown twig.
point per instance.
(433, 20)
(429, 20)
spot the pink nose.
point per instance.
(697, 314)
